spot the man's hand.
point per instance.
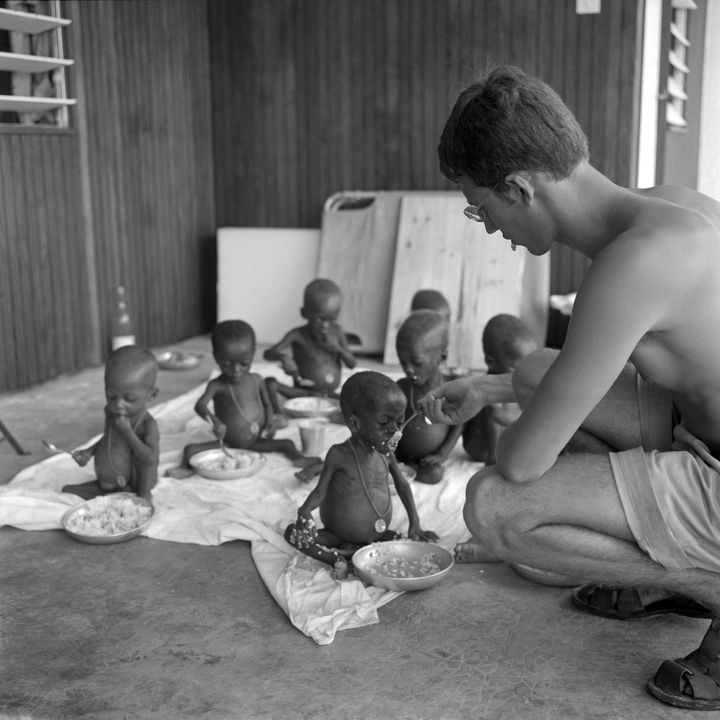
(453, 403)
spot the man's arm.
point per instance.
(623, 297)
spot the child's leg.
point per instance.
(184, 469)
(429, 474)
(476, 440)
(144, 479)
(86, 490)
(319, 544)
(287, 448)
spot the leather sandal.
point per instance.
(623, 603)
(692, 682)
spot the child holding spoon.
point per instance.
(242, 415)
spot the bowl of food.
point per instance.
(544, 577)
(402, 564)
(216, 465)
(311, 406)
(108, 519)
(178, 360)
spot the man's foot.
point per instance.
(625, 603)
(471, 552)
(692, 682)
(179, 472)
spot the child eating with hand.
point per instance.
(243, 415)
(421, 343)
(352, 492)
(126, 456)
(506, 340)
(313, 354)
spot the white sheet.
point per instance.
(256, 509)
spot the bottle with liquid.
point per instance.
(123, 332)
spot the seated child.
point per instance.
(126, 456)
(506, 340)
(243, 415)
(353, 493)
(421, 344)
(431, 300)
(313, 354)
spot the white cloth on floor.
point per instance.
(256, 509)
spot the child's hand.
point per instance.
(290, 366)
(432, 459)
(275, 422)
(305, 532)
(417, 533)
(219, 429)
(82, 457)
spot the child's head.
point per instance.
(322, 301)
(373, 406)
(506, 340)
(431, 300)
(130, 376)
(510, 122)
(422, 345)
(233, 344)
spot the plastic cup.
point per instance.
(312, 436)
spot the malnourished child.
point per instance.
(243, 416)
(353, 491)
(313, 354)
(126, 456)
(421, 344)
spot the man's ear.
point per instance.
(521, 187)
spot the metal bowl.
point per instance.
(107, 509)
(178, 360)
(211, 464)
(544, 577)
(402, 564)
(311, 406)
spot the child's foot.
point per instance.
(471, 552)
(303, 462)
(309, 472)
(179, 472)
(340, 570)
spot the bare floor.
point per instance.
(151, 629)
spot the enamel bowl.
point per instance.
(216, 465)
(402, 564)
(178, 360)
(544, 577)
(311, 406)
(108, 519)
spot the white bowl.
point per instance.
(311, 406)
(215, 465)
(402, 564)
(178, 360)
(128, 512)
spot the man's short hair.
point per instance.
(507, 122)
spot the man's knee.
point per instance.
(529, 371)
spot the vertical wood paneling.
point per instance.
(371, 85)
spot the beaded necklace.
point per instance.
(254, 426)
(380, 524)
(122, 481)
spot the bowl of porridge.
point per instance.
(311, 407)
(108, 519)
(216, 465)
(402, 564)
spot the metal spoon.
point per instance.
(224, 449)
(428, 421)
(52, 447)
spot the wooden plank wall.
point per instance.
(312, 97)
(125, 195)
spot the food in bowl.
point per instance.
(311, 406)
(108, 516)
(216, 465)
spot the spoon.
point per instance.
(224, 449)
(428, 421)
(52, 447)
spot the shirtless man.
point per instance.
(642, 341)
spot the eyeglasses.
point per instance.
(477, 212)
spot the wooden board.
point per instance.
(438, 248)
(357, 251)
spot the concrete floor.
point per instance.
(151, 629)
